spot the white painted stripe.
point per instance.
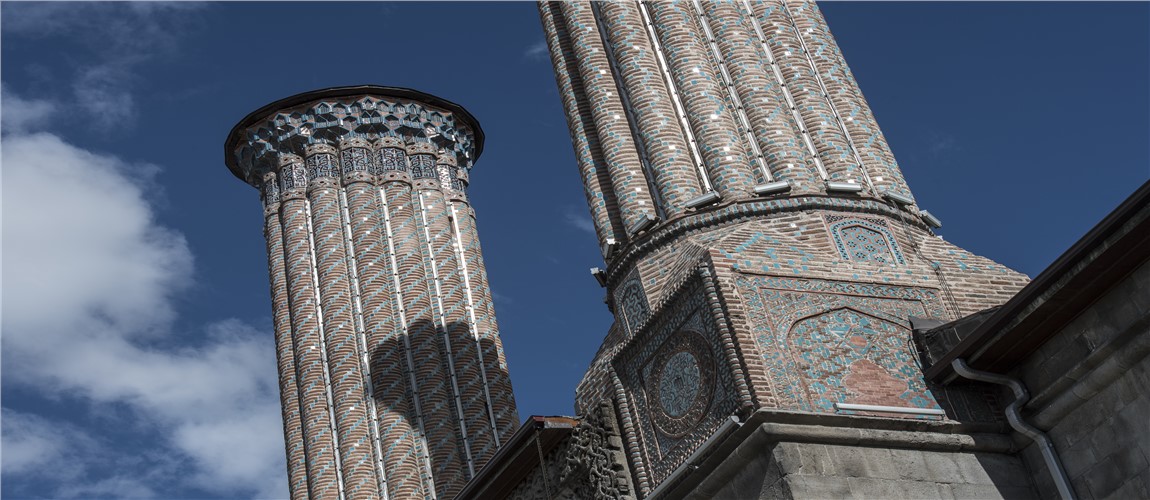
(890, 409)
(438, 294)
(473, 324)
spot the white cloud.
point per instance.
(113, 39)
(22, 115)
(578, 219)
(89, 285)
(536, 51)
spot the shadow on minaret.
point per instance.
(411, 380)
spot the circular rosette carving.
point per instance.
(681, 383)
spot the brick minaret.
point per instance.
(763, 251)
(391, 371)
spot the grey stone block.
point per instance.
(1135, 487)
(849, 461)
(817, 487)
(1104, 478)
(884, 488)
(943, 466)
(788, 458)
(1077, 459)
(1004, 470)
(987, 491)
(910, 465)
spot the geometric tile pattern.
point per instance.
(864, 239)
(826, 342)
(632, 302)
(677, 380)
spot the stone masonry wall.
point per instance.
(1100, 428)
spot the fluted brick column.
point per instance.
(710, 114)
(666, 147)
(285, 357)
(386, 352)
(877, 158)
(772, 125)
(588, 153)
(307, 336)
(619, 152)
(394, 382)
(818, 118)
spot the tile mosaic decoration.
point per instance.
(863, 239)
(676, 380)
(827, 342)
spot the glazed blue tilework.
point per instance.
(827, 348)
(677, 380)
(864, 239)
(631, 301)
(811, 332)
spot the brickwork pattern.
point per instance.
(285, 356)
(621, 158)
(710, 114)
(661, 133)
(765, 104)
(676, 381)
(588, 152)
(393, 377)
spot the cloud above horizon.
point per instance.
(91, 283)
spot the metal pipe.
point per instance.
(1014, 417)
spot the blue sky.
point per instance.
(137, 354)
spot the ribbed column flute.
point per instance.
(772, 125)
(709, 113)
(406, 269)
(450, 305)
(621, 157)
(434, 378)
(383, 314)
(667, 149)
(471, 379)
(343, 356)
(386, 352)
(588, 153)
(491, 347)
(316, 419)
(285, 357)
(877, 158)
(817, 115)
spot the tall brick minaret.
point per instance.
(763, 251)
(391, 371)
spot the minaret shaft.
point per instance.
(392, 374)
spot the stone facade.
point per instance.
(1077, 340)
(392, 375)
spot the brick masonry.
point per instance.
(392, 374)
(790, 302)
